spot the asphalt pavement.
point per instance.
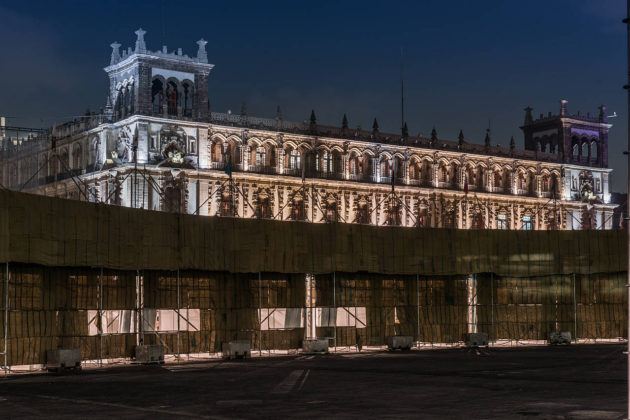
(563, 382)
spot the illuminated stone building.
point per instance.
(157, 146)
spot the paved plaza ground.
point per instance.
(577, 382)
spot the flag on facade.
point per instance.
(465, 184)
(228, 167)
(303, 172)
(553, 187)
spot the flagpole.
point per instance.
(627, 87)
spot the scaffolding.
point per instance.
(106, 278)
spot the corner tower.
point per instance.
(575, 139)
(158, 83)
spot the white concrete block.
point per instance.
(315, 345)
(399, 342)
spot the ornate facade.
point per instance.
(158, 146)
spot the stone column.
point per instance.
(434, 175)
(404, 211)
(373, 210)
(193, 196)
(203, 197)
(203, 148)
(143, 143)
(281, 157)
(246, 156)
(214, 199)
(381, 215)
(351, 215)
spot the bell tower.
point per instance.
(158, 83)
(573, 139)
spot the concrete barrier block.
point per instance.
(478, 339)
(560, 337)
(151, 353)
(315, 345)
(63, 359)
(237, 349)
(399, 342)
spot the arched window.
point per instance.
(454, 175)
(330, 208)
(498, 180)
(594, 150)
(415, 171)
(367, 167)
(545, 183)
(576, 151)
(187, 94)
(325, 164)
(173, 199)
(172, 97)
(355, 165)
(502, 221)
(426, 170)
(449, 219)
(363, 212)
(531, 182)
(263, 208)
(157, 95)
(443, 173)
(385, 167)
(337, 164)
(470, 176)
(76, 157)
(480, 177)
(261, 154)
(298, 211)
(226, 204)
(522, 181)
(478, 221)
(553, 185)
(585, 151)
(294, 160)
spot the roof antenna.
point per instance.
(163, 25)
(402, 94)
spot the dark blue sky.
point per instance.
(465, 62)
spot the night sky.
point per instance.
(466, 64)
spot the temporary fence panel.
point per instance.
(57, 232)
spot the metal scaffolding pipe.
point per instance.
(418, 309)
(178, 315)
(100, 317)
(6, 318)
(259, 313)
(627, 87)
(335, 306)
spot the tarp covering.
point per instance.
(56, 232)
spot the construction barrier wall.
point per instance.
(53, 307)
(106, 278)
